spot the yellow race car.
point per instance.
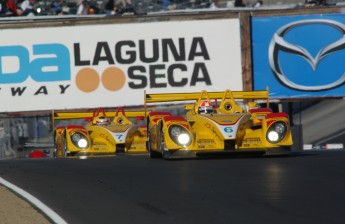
(216, 123)
(101, 136)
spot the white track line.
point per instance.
(35, 202)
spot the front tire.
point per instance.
(65, 153)
(161, 145)
(152, 154)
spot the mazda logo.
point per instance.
(278, 43)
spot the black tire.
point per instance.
(65, 153)
(55, 146)
(161, 144)
(152, 154)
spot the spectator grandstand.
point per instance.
(70, 7)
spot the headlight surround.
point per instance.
(175, 131)
(79, 140)
(276, 132)
(179, 135)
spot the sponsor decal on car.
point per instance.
(206, 143)
(252, 141)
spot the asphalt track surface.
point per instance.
(304, 188)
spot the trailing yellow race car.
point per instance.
(101, 136)
(217, 123)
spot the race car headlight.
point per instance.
(276, 132)
(183, 139)
(272, 136)
(179, 135)
(82, 143)
(79, 140)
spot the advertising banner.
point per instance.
(110, 65)
(299, 56)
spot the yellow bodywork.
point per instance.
(231, 127)
(119, 134)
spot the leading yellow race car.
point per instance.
(217, 124)
(100, 136)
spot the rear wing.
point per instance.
(66, 115)
(70, 115)
(174, 97)
(81, 115)
(171, 97)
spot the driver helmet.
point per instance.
(102, 120)
(205, 108)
